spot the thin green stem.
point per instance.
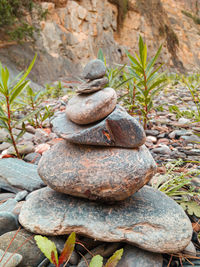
(10, 127)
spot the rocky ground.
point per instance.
(168, 138)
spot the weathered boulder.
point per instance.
(92, 86)
(91, 172)
(149, 219)
(88, 108)
(94, 69)
(117, 129)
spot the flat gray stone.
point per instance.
(118, 129)
(97, 173)
(88, 108)
(92, 86)
(19, 174)
(148, 219)
(94, 69)
(136, 257)
(9, 259)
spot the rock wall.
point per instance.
(74, 31)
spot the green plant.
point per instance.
(195, 18)
(49, 249)
(34, 102)
(177, 184)
(192, 82)
(115, 75)
(146, 79)
(54, 91)
(9, 91)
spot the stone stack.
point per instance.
(95, 173)
(116, 165)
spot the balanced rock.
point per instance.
(94, 69)
(88, 108)
(97, 173)
(117, 129)
(92, 86)
(149, 219)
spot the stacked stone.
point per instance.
(102, 161)
(93, 118)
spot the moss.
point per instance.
(122, 6)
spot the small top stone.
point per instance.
(95, 69)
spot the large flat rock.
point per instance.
(19, 174)
(148, 219)
(117, 129)
(97, 173)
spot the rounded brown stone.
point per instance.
(88, 108)
(97, 173)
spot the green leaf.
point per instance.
(68, 249)
(30, 115)
(153, 61)
(97, 261)
(47, 247)
(134, 61)
(25, 75)
(100, 55)
(115, 258)
(18, 90)
(3, 124)
(191, 207)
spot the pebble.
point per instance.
(95, 69)
(23, 149)
(10, 259)
(8, 222)
(92, 86)
(162, 149)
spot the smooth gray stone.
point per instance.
(136, 257)
(8, 222)
(9, 205)
(92, 86)
(21, 195)
(19, 174)
(33, 157)
(94, 69)
(10, 259)
(118, 129)
(148, 219)
(32, 256)
(88, 108)
(96, 173)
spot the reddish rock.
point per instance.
(118, 129)
(91, 172)
(88, 108)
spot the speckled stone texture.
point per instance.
(88, 108)
(118, 129)
(94, 69)
(96, 173)
(92, 86)
(148, 219)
